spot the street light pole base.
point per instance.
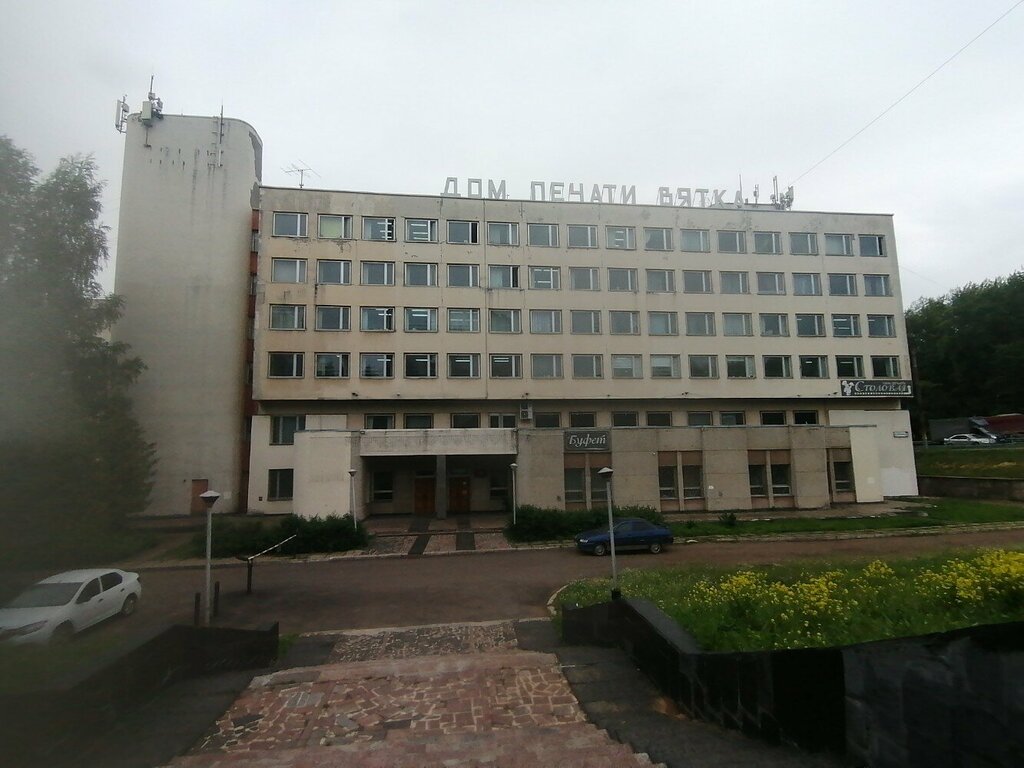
(616, 594)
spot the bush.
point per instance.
(728, 519)
(548, 523)
(233, 538)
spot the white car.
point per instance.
(968, 440)
(63, 605)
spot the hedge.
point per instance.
(549, 524)
(232, 538)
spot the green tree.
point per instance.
(73, 460)
(968, 347)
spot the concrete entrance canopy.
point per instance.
(437, 442)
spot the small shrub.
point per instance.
(728, 519)
(232, 538)
(549, 524)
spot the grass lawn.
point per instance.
(817, 605)
(969, 461)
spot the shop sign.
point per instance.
(862, 388)
(590, 440)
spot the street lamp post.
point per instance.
(209, 499)
(607, 473)
(515, 502)
(352, 497)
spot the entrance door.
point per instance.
(458, 494)
(423, 491)
(198, 506)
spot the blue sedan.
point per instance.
(630, 533)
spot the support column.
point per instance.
(441, 486)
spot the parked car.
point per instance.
(968, 440)
(630, 533)
(60, 606)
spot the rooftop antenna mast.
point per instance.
(302, 170)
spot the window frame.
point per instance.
(632, 324)
(711, 368)
(672, 363)
(664, 237)
(845, 244)
(596, 369)
(882, 280)
(544, 278)
(819, 325)
(635, 368)
(510, 270)
(410, 313)
(888, 323)
(746, 323)
(632, 281)
(500, 231)
(473, 317)
(778, 286)
(878, 248)
(774, 243)
(431, 226)
(706, 283)
(854, 363)
(301, 221)
(515, 320)
(469, 359)
(342, 361)
(589, 229)
(810, 247)
(387, 229)
(786, 362)
(429, 359)
(738, 237)
(386, 315)
(345, 270)
(300, 268)
(387, 276)
(733, 361)
(472, 236)
(595, 317)
(297, 364)
(849, 281)
(344, 318)
(845, 325)
(667, 283)
(387, 360)
(779, 319)
(889, 362)
(744, 279)
(703, 240)
(553, 320)
(821, 365)
(699, 323)
(346, 226)
(515, 363)
(296, 317)
(653, 327)
(619, 237)
(554, 358)
(552, 242)
(473, 272)
(430, 268)
(594, 273)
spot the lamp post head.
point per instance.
(352, 472)
(513, 466)
(606, 473)
(209, 497)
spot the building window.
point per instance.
(881, 326)
(842, 285)
(586, 321)
(767, 242)
(463, 320)
(620, 238)
(627, 367)
(420, 274)
(661, 281)
(699, 419)
(289, 224)
(382, 486)
(732, 242)
(582, 236)
(280, 484)
(583, 420)
(657, 239)
(283, 429)
(668, 482)
(620, 279)
(584, 279)
(503, 276)
(877, 285)
(464, 366)
(502, 420)
(546, 366)
(623, 323)
(694, 240)
(421, 230)
(703, 366)
(376, 365)
(376, 318)
(378, 228)
(773, 418)
(805, 418)
(885, 367)
(700, 323)
(502, 233)
(333, 272)
(839, 245)
(506, 366)
(625, 419)
(734, 282)
(871, 245)
(418, 421)
(774, 324)
(813, 367)
(771, 283)
(421, 319)
(781, 484)
(332, 318)
(845, 325)
(287, 317)
(545, 321)
(659, 418)
(587, 367)
(463, 232)
(665, 367)
(662, 323)
(803, 243)
(810, 325)
(545, 278)
(739, 366)
(737, 324)
(288, 270)
(285, 365)
(547, 420)
(504, 321)
(806, 284)
(696, 281)
(542, 235)
(842, 474)
(463, 275)
(693, 481)
(758, 479)
(331, 365)
(777, 367)
(732, 418)
(331, 227)
(465, 421)
(850, 366)
(377, 272)
(575, 488)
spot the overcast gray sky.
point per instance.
(396, 96)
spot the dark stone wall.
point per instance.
(971, 487)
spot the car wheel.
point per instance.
(130, 603)
(655, 548)
(599, 549)
(63, 633)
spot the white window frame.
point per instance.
(545, 318)
(412, 314)
(734, 364)
(344, 317)
(592, 283)
(472, 236)
(742, 319)
(388, 276)
(888, 326)
(627, 366)
(615, 274)
(344, 266)
(300, 223)
(578, 314)
(550, 239)
(428, 358)
(346, 226)
(700, 323)
(382, 225)
(294, 316)
(298, 268)
(665, 366)
(430, 269)
(706, 285)
(774, 324)
(283, 428)
(386, 359)
(819, 324)
(473, 315)
(878, 245)
(801, 278)
(496, 361)
(591, 235)
(654, 323)
(744, 282)
(787, 366)
(514, 317)
(803, 243)
(421, 230)
(703, 237)
(342, 362)
(855, 364)
(386, 315)
(473, 271)
(771, 283)
(891, 364)
(550, 363)
(620, 238)
(768, 243)
(662, 237)
(545, 278)
(711, 362)
(469, 359)
(848, 285)
(821, 366)
(503, 233)
(296, 366)
(623, 322)
(838, 244)
(510, 270)
(732, 241)
(588, 366)
(845, 325)
(665, 280)
(873, 282)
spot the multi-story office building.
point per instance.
(422, 354)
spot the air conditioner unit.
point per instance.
(525, 412)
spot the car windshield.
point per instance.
(46, 595)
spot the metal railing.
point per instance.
(251, 558)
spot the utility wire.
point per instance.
(892, 106)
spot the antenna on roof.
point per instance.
(121, 114)
(302, 170)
